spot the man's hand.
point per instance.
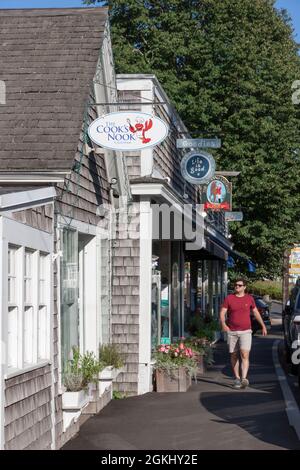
(225, 328)
(264, 331)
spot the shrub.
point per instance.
(271, 288)
(81, 370)
(204, 327)
(109, 355)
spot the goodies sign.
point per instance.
(128, 131)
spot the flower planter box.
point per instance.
(106, 378)
(110, 373)
(201, 365)
(74, 400)
(178, 381)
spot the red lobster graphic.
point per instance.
(140, 128)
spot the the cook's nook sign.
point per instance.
(128, 131)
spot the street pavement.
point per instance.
(211, 415)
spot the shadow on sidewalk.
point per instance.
(260, 409)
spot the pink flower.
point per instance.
(181, 346)
(162, 349)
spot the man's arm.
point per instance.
(223, 312)
(260, 321)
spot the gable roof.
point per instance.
(48, 59)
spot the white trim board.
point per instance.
(24, 235)
(21, 200)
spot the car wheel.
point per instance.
(295, 369)
(287, 352)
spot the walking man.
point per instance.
(237, 306)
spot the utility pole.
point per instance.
(285, 277)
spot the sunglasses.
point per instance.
(239, 285)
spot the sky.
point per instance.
(293, 6)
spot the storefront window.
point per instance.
(69, 294)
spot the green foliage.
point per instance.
(118, 395)
(228, 67)
(109, 355)
(81, 370)
(271, 288)
(201, 346)
(204, 328)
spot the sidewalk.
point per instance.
(211, 415)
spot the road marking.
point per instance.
(291, 406)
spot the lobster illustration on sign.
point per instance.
(140, 128)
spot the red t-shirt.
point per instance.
(238, 311)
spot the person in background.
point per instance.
(237, 307)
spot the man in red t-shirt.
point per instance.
(237, 306)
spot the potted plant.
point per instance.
(112, 364)
(80, 372)
(174, 366)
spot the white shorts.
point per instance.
(238, 340)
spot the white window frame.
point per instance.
(23, 237)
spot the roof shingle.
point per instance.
(48, 59)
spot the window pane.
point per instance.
(42, 333)
(27, 287)
(28, 263)
(69, 294)
(42, 292)
(12, 339)
(28, 335)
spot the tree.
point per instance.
(228, 67)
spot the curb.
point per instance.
(291, 406)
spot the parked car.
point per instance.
(264, 311)
(291, 327)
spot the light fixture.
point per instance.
(113, 181)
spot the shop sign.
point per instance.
(198, 143)
(233, 216)
(216, 194)
(128, 131)
(294, 262)
(198, 167)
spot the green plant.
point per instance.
(81, 370)
(170, 357)
(118, 395)
(271, 288)
(109, 355)
(201, 346)
(204, 327)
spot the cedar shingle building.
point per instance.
(67, 280)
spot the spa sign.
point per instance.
(128, 131)
(216, 194)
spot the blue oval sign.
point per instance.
(198, 167)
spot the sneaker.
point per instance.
(237, 384)
(244, 383)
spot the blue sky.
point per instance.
(293, 6)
